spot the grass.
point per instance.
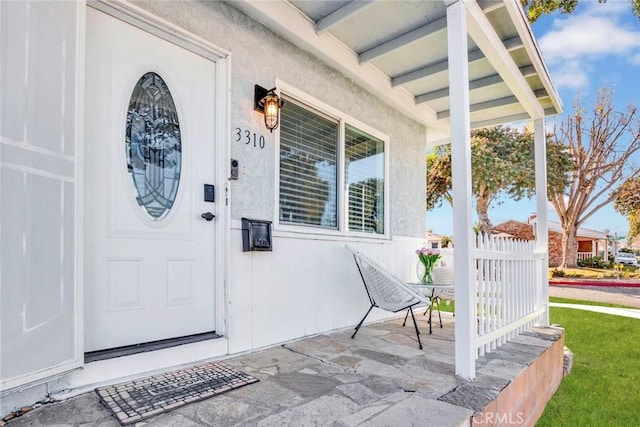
(450, 306)
(602, 389)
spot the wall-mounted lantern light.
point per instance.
(268, 103)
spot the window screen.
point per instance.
(308, 167)
(364, 179)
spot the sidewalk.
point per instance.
(616, 311)
(380, 378)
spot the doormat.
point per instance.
(146, 397)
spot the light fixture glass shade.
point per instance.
(271, 111)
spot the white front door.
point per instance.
(149, 151)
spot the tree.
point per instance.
(502, 163)
(627, 202)
(537, 8)
(439, 177)
(600, 147)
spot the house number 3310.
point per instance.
(248, 137)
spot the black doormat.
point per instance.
(146, 397)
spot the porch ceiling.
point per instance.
(398, 51)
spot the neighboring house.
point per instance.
(591, 243)
(434, 241)
(131, 156)
(634, 243)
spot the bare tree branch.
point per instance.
(601, 147)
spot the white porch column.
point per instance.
(465, 331)
(542, 230)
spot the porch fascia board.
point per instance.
(288, 22)
(531, 46)
(480, 30)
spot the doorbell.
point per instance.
(234, 169)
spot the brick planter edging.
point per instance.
(522, 401)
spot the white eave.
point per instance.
(398, 52)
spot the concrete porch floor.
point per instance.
(380, 378)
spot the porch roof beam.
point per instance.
(483, 34)
(398, 42)
(494, 103)
(494, 122)
(342, 14)
(287, 21)
(541, 93)
(475, 55)
(474, 84)
(527, 71)
(488, 6)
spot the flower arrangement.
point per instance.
(428, 259)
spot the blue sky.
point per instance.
(599, 44)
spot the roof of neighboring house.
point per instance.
(398, 51)
(582, 232)
(516, 229)
(432, 237)
(554, 227)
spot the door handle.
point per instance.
(208, 216)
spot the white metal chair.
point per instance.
(386, 291)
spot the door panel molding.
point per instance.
(162, 28)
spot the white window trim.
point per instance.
(342, 118)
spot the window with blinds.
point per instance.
(364, 181)
(318, 169)
(308, 167)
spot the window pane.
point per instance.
(364, 175)
(153, 145)
(308, 175)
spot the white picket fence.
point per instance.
(509, 289)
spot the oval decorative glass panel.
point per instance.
(153, 145)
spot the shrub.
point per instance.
(593, 262)
(557, 273)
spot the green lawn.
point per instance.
(450, 306)
(603, 388)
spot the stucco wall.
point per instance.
(269, 296)
(260, 57)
